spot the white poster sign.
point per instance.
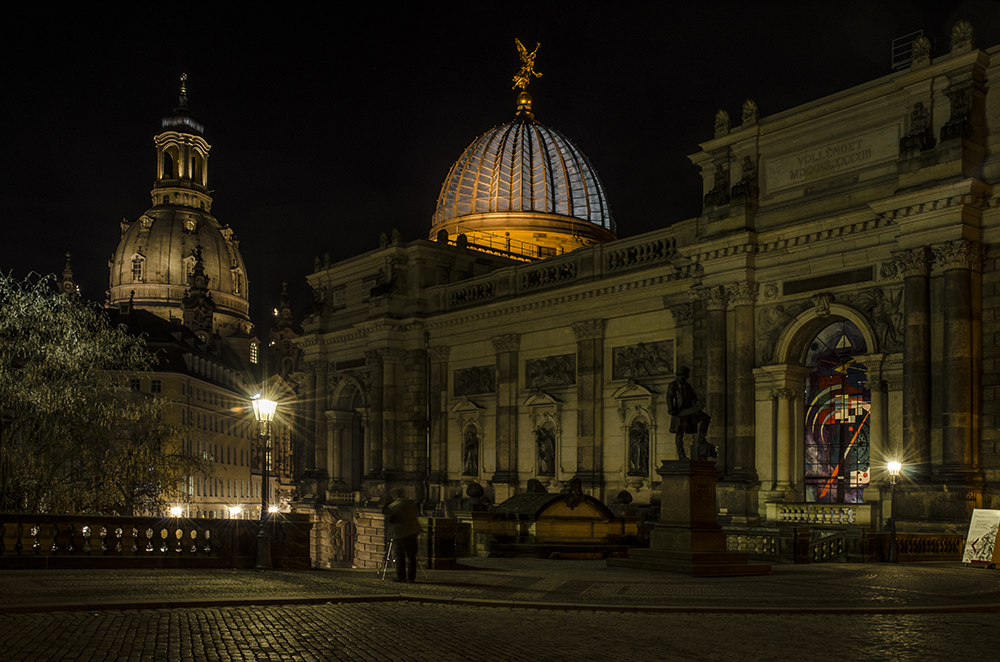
(981, 541)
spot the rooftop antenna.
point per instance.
(902, 50)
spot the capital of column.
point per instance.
(440, 353)
(683, 313)
(589, 330)
(961, 254)
(913, 262)
(716, 297)
(507, 343)
(743, 294)
(373, 357)
(783, 394)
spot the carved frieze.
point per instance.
(507, 343)
(771, 321)
(821, 302)
(883, 308)
(643, 360)
(475, 380)
(589, 330)
(771, 291)
(550, 371)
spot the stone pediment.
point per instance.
(541, 399)
(466, 406)
(633, 390)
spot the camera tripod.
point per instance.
(390, 559)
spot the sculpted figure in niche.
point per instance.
(545, 441)
(470, 452)
(687, 416)
(638, 449)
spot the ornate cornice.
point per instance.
(507, 343)
(961, 254)
(589, 330)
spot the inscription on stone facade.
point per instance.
(643, 360)
(834, 158)
(550, 371)
(475, 380)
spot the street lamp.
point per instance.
(894, 469)
(263, 411)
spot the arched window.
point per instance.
(169, 169)
(196, 168)
(838, 404)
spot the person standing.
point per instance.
(403, 528)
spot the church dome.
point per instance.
(526, 182)
(159, 253)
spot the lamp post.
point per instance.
(894, 469)
(263, 411)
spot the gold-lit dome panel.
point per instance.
(523, 166)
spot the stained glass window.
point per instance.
(838, 405)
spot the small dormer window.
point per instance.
(237, 282)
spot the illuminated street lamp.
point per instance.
(263, 411)
(894, 469)
(176, 511)
(234, 511)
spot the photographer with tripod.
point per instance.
(402, 529)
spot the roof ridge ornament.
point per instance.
(184, 91)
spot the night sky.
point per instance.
(327, 128)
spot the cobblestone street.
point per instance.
(409, 631)
(500, 609)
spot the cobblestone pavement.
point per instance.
(790, 588)
(411, 631)
(500, 609)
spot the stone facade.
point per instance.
(436, 367)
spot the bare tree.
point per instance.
(74, 438)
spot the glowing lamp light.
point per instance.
(176, 511)
(894, 469)
(263, 409)
(272, 509)
(234, 511)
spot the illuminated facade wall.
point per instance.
(872, 210)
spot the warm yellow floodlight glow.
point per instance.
(263, 409)
(272, 509)
(894, 468)
(176, 511)
(234, 511)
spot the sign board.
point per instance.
(980, 544)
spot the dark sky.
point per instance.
(328, 128)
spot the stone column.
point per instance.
(309, 411)
(392, 431)
(741, 456)
(683, 314)
(915, 266)
(373, 440)
(438, 470)
(958, 259)
(784, 455)
(590, 403)
(321, 369)
(506, 347)
(716, 301)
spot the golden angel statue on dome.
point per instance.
(523, 77)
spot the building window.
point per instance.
(237, 282)
(253, 352)
(156, 386)
(135, 384)
(137, 268)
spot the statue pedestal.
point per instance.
(688, 538)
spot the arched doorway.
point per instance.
(837, 450)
